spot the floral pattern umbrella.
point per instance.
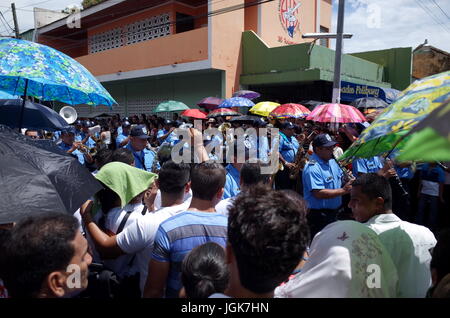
(33, 69)
(222, 112)
(247, 94)
(290, 111)
(412, 106)
(236, 102)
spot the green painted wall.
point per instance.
(265, 65)
(397, 64)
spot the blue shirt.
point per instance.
(435, 174)
(288, 147)
(77, 153)
(232, 187)
(404, 173)
(366, 165)
(90, 143)
(144, 159)
(119, 139)
(179, 234)
(318, 175)
(172, 139)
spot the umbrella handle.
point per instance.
(23, 105)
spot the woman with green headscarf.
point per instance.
(121, 203)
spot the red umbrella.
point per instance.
(194, 113)
(336, 113)
(210, 102)
(222, 112)
(290, 111)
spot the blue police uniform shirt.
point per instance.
(119, 130)
(90, 143)
(404, 173)
(56, 135)
(288, 147)
(232, 180)
(121, 138)
(144, 159)
(77, 153)
(263, 148)
(318, 175)
(366, 165)
(172, 139)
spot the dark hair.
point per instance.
(37, 246)
(103, 156)
(204, 271)
(441, 254)
(123, 155)
(268, 234)
(297, 199)
(375, 186)
(251, 174)
(173, 177)
(206, 180)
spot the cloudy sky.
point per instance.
(375, 24)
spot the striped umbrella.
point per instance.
(263, 108)
(290, 111)
(222, 112)
(336, 113)
(236, 102)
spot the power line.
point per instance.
(434, 1)
(430, 13)
(4, 21)
(34, 4)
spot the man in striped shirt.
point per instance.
(179, 234)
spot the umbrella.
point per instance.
(194, 113)
(170, 106)
(414, 104)
(35, 116)
(247, 94)
(263, 108)
(247, 119)
(372, 114)
(4, 95)
(311, 104)
(236, 102)
(369, 102)
(32, 69)
(37, 180)
(430, 139)
(336, 113)
(290, 111)
(222, 112)
(210, 102)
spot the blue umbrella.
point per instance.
(35, 116)
(32, 69)
(4, 95)
(236, 102)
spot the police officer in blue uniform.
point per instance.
(123, 138)
(288, 147)
(69, 145)
(323, 185)
(143, 157)
(167, 135)
(366, 165)
(84, 137)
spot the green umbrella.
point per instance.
(430, 139)
(170, 106)
(389, 129)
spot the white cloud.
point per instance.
(403, 23)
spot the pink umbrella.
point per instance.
(290, 111)
(194, 113)
(210, 103)
(336, 113)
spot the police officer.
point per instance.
(288, 147)
(69, 145)
(143, 157)
(323, 184)
(85, 136)
(366, 165)
(123, 138)
(166, 135)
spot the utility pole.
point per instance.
(336, 97)
(16, 25)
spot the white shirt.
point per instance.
(139, 237)
(223, 206)
(409, 246)
(124, 265)
(430, 188)
(187, 199)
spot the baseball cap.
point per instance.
(87, 123)
(168, 122)
(287, 125)
(68, 130)
(139, 131)
(323, 140)
(126, 124)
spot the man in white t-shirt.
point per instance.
(138, 237)
(250, 176)
(408, 244)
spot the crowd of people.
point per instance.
(314, 227)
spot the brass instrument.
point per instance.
(348, 175)
(300, 158)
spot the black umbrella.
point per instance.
(311, 104)
(36, 177)
(247, 119)
(35, 116)
(369, 102)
